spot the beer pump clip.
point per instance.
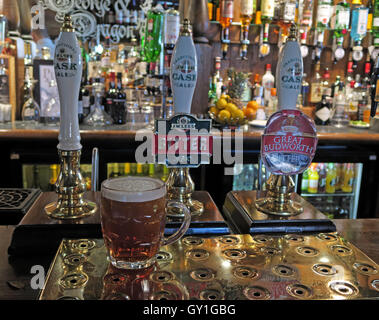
(70, 185)
(183, 141)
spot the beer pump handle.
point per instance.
(68, 73)
(289, 72)
(183, 73)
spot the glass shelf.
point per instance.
(339, 194)
(277, 26)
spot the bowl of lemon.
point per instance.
(227, 112)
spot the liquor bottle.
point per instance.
(348, 178)
(80, 107)
(30, 113)
(133, 8)
(313, 179)
(266, 16)
(322, 178)
(106, 58)
(340, 117)
(323, 112)
(127, 169)
(246, 15)
(115, 172)
(374, 88)
(316, 86)
(326, 87)
(305, 181)
(54, 171)
(287, 15)
(268, 82)
(349, 75)
(370, 7)
(118, 110)
(226, 18)
(367, 75)
(273, 103)
(331, 178)
(4, 80)
(304, 91)
(324, 13)
(339, 176)
(110, 95)
(171, 34)
(305, 22)
(358, 29)
(215, 10)
(151, 41)
(340, 22)
(335, 86)
(216, 83)
(85, 96)
(375, 22)
(139, 169)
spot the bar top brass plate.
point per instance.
(231, 267)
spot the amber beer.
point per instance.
(133, 219)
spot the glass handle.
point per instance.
(183, 228)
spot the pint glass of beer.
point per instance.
(133, 217)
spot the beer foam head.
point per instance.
(133, 189)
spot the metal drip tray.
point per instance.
(231, 267)
(15, 202)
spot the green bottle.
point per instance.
(375, 21)
(151, 41)
(340, 20)
(324, 13)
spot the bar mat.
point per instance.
(231, 267)
(15, 203)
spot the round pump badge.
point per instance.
(339, 53)
(289, 142)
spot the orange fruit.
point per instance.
(250, 113)
(252, 105)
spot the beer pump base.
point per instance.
(272, 207)
(57, 210)
(196, 208)
(278, 199)
(70, 188)
(180, 188)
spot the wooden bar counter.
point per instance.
(327, 135)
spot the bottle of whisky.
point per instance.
(323, 112)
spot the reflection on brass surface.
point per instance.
(234, 267)
(278, 198)
(180, 187)
(70, 187)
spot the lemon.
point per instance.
(221, 103)
(238, 114)
(225, 96)
(224, 115)
(214, 110)
(231, 107)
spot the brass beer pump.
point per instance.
(280, 186)
(70, 185)
(180, 186)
